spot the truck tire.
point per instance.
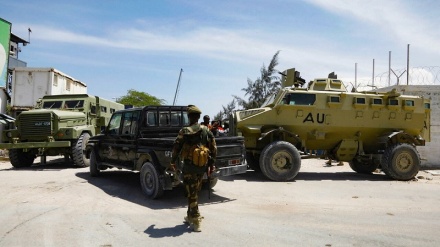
(94, 165)
(79, 158)
(252, 161)
(364, 166)
(150, 181)
(401, 161)
(19, 158)
(280, 161)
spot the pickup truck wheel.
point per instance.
(401, 161)
(79, 158)
(19, 158)
(94, 165)
(364, 166)
(150, 182)
(280, 161)
(252, 162)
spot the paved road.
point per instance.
(60, 205)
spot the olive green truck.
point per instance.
(59, 125)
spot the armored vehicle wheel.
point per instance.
(364, 166)
(94, 165)
(150, 182)
(280, 161)
(19, 158)
(401, 161)
(79, 158)
(252, 162)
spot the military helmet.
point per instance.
(193, 109)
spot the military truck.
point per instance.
(141, 139)
(366, 129)
(59, 125)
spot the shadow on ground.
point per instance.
(257, 176)
(126, 185)
(53, 164)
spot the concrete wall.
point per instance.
(430, 153)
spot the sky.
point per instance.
(114, 46)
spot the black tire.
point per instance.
(19, 158)
(364, 166)
(79, 158)
(280, 161)
(150, 182)
(94, 165)
(253, 162)
(213, 183)
(401, 161)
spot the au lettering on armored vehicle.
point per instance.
(59, 125)
(141, 139)
(366, 129)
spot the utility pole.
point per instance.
(177, 88)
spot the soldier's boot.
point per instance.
(197, 224)
(340, 163)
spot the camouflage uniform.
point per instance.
(193, 174)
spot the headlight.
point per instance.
(9, 134)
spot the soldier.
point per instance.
(192, 144)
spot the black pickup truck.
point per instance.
(141, 139)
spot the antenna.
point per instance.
(177, 88)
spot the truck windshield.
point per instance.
(269, 100)
(72, 104)
(52, 104)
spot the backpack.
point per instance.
(194, 147)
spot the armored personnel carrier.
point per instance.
(366, 129)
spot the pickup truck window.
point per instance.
(115, 122)
(164, 118)
(129, 123)
(151, 119)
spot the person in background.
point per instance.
(206, 122)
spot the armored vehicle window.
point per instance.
(360, 101)
(72, 104)
(115, 122)
(409, 102)
(393, 102)
(103, 109)
(376, 101)
(93, 109)
(299, 99)
(52, 104)
(112, 110)
(334, 99)
(427, 106)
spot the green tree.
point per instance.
(226, 111)
(265, 85)
(136, 98)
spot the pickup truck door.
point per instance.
(108, 144)
(127, 147)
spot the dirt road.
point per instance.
(60, 205)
